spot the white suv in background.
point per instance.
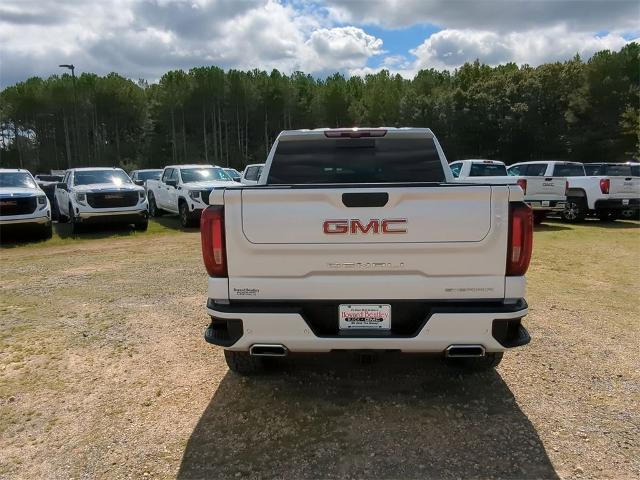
(23, 202)
(101, 195)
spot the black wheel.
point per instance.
(186, 219)
(575, 210)
(60, 216)
(607, 215)
(47, 231)
(55, 211)
(142, 226)
(477, 364)
(538, 217)
(243, 363)
(75, 226)
(154, 211)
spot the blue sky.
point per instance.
(146, 38)
(399, 41)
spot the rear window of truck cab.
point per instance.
(356, 160)
(487, 170)
(568, 170)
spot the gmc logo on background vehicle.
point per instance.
(355, 226)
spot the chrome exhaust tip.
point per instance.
(268, 350)
(464, 351)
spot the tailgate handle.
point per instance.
(371, 199)
(628, 178)
(548, 179)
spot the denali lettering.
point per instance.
(365, 265)
(355, 226)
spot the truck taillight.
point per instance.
(605, 183)
(523, 184)
(520, 239)
(214, 252)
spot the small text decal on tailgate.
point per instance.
(246, 292)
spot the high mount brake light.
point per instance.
(520, 244)
(354, 133)
(212, 236)
(523, 184)
(605, 184)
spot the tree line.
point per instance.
(574, 110)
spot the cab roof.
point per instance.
(85, 169)
(192, 165)
(480, 160)
(356, 132)
(14, 170)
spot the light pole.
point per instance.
(75, 108)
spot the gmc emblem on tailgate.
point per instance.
(355, 226)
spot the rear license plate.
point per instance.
(625, 202)
(545, 203)
(376, 317)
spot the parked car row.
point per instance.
(82, 196)
(572, 189)
(108, 195)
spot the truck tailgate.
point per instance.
(320, 243)
(624, 187)
(545, 188)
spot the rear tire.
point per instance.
(142, 226)
(243, 363)
(186, 219)
(480, 364)
(60, 216)
(75, 226)
(575, 210)
(154, 211)
(607, 215)
(55, 211)
(538, 217)
(47, 231)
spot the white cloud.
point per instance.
(452, 48)
(145, 38)
(339, 48)
(494, 15)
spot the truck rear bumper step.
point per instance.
(493, 330)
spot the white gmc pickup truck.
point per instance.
(100, 195)
(481, 171)
(604, 195)
(359, 240)
(23, 203)
(543, 192)
(185, 189)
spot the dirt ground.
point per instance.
(104, 374)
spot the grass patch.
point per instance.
(62, 234)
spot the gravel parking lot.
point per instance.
(104, 373)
